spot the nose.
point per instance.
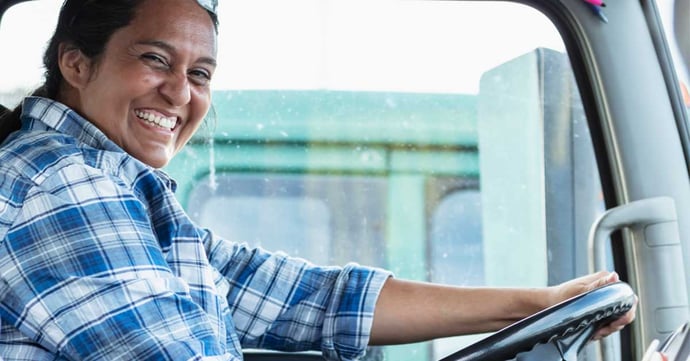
(176, 89)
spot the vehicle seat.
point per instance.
(273, 356)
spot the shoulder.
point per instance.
(35, 155)
(44, 170)
(46, 161)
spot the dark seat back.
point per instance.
(278, 356)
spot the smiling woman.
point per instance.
(100, 261)
(150, 88)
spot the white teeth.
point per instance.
(163, 122)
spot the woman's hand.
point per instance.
(587, 283)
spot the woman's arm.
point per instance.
(289, 304)
(415, 311)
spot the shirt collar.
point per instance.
(42, 113)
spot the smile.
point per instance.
(157, 120)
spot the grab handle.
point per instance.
(638, 213)
(656, 263)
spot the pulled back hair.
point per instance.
(85, 25)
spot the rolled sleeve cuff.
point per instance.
(350, 315)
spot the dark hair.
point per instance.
(86, 25)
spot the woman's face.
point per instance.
(150, 89)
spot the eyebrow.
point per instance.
(171, 49)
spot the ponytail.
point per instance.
(10, 120)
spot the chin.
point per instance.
(155, 162)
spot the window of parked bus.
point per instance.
(445, 141)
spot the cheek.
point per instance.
(200, 105)
(117, 94)
(185, 135)
(198, 109)
(143, 82)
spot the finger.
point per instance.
(606, 331)
(616, 325)
(619, 323)
(594, 277)
(608, 278)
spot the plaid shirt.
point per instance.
(98, 261)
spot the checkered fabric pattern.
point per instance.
(98, 261)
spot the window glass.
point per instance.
(22, 66)
(297, 214)
(455, 240)
(445, 141)
(392, 128)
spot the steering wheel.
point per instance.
(569, 325)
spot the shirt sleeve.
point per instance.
(289, 304)
(82, 275)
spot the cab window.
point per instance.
(445, 141)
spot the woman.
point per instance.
(99, 261)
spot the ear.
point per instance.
(74, 66)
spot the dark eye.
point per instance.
(200, 76)
(155, 59)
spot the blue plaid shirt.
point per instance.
(98, 261)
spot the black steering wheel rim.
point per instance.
(574, 319)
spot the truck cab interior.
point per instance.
(478, 143)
